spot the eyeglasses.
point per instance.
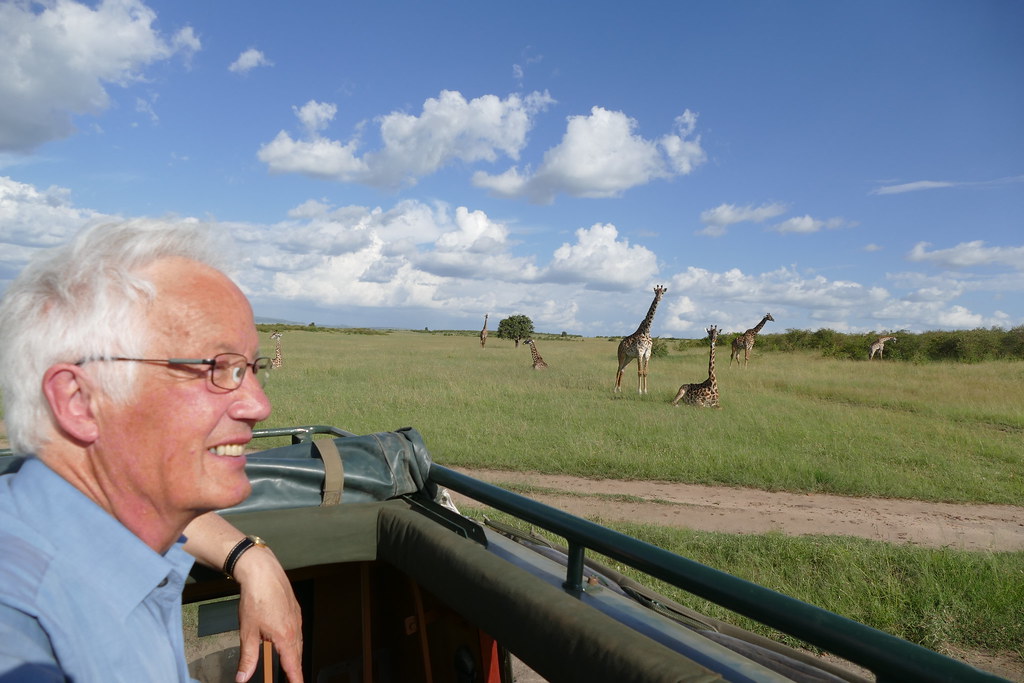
(227, 370)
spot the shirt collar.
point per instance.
(111, 560)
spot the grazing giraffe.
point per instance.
(275, 362)
(638, 345)
(483, 332)
(704, 394)
(879, 346)
(538, 362)
(745, 341)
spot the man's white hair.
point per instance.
(82, 300)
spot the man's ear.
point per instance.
(69, 393)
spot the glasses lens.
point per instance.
(228, 370)
(261, 368)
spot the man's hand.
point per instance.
(267, 610)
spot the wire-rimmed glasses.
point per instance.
(227, 370)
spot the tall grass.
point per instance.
(790, 421)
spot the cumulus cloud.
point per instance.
(600, 155)
(31, 219)
(58, 62)
(448, 129)
(600, 260)
(353, 263)
(249, 60)
(969, 254)
(716, 220)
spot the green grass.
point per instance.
(790, 421)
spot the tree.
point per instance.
(517, 327)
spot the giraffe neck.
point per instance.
(757, 328)
(645, 327)
(711, 360)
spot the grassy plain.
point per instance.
(790, 421)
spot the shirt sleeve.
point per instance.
(25, 652)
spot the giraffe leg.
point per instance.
(618, 376)
(641, 371)
(680, 394)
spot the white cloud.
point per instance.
(315, 116)
(600, 260)
(807, 224)
(716, 220)
(249, 60)
(969, 254)
(345, 264)
(912, 187)
(601, 156)
(448, 129)
(58, 61)
(38, 218)
(938, 184)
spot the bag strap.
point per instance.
(334, 471)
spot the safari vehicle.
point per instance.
(396, 586)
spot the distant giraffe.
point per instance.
(538, 362)
(879, 346)
(704, 394)
(745, 341)
(275, 362)
(483, 332)
(638, 345)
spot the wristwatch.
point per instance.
(239, 550)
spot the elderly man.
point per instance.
(130, 370)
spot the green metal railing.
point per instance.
(891, 659)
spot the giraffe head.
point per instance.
(712, 334)
(768, 316)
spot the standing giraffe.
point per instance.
(704, 394)
(638, 345)
(275, 362)
(538, 362)
(483, 332)
(879, 346)
(745, 341)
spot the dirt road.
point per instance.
(739, 510)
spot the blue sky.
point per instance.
(851, 165)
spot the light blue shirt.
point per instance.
(81, 597)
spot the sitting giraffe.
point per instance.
(538, 362)
(638, 345)
(879, 346)
(704, 394)
(275, 362)
(745, 341)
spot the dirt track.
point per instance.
(738, 510)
